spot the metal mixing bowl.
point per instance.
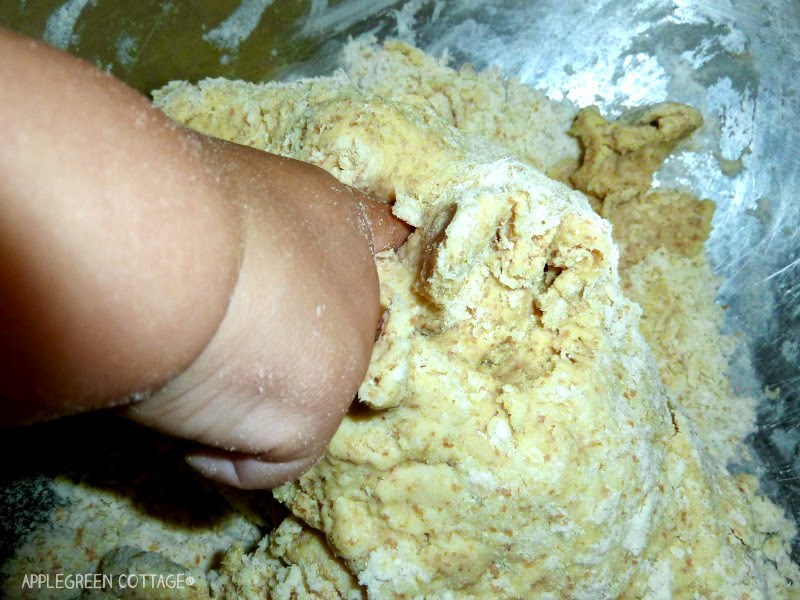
(738, 61)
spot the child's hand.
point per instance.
(269, 390)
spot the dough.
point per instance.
(292, 562)
(513, 437)
(621, 157)
(662, 265)
(662, 229)
(523, 120)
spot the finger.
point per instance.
(246, 471)
(387, 230)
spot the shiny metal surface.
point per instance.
(738, 61)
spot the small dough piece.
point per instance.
(621, 157)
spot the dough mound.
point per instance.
(512, 437)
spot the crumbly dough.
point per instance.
(513, 437)
(291, 562)
(487, 104)
(682, 327)
(647, 222)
